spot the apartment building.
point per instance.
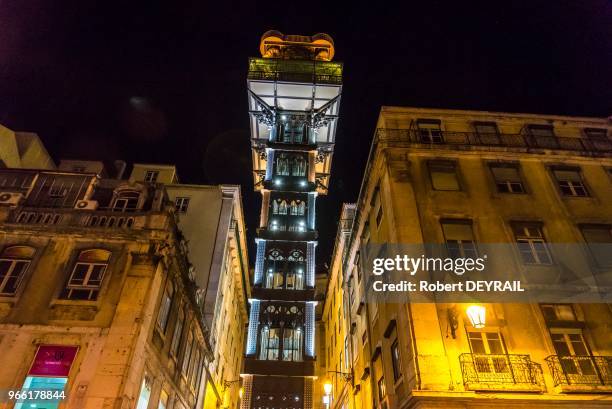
(100, 300)
(460, 178)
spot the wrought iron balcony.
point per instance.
(412, 136)
(305, 71)
(581, 370)
(501, 372)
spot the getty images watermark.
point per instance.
(489, 273)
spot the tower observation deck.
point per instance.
(294, 93)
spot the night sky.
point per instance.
(166, 83)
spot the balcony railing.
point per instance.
(500, 372)
(314, 72)
(104, 218)
(410, 136)
(581, 370)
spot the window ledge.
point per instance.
(71, 310)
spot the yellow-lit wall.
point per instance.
(411, 213)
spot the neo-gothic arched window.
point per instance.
(282, 165)
(299, 166)
(298, 208)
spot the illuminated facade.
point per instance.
(459, 178)
(101, 295)
(294, 96)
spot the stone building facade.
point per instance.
(460, 178)
(99, 297)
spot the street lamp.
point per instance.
(327, 388)
(476, 314)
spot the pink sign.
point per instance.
(53, 360)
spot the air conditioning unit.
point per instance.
(10, 198)
(86, 205)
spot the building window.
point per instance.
(177, 334)
(163, 400)
(379, 216)
(598, 137)
(488, 352)
(382, 390)
(396, 360)
(543, 136)
(507, 178)
(570, 181)
(145, 393)
(299, 166)
(269, 344)
(599, 240)
(429, 131)
(87, 275)
(558, 312)
(126, 201)
(181, 204)
(165, 306)
(292, 344)
(58, 189)
(187, 353)
(459, 238)
(443, 175)
(14, 262)
(531, 243)
(487, 132)
(574, 354)
(151, 176)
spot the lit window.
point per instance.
(599, 242)
(163, 400)
(570, 182)
(575, 358)
(14, 262)
(489, 354)
(429, 131)
(151, 176)
(145, 393)
(443, 175)
(459, 238)
(181, 204)
(165, 305)
(531, 243)
(292, 344)
(507, 178)
(269, 344)
(87, 275)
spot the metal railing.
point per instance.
(429, 137)
(580, 370)
(500, 371)
(306, 71)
